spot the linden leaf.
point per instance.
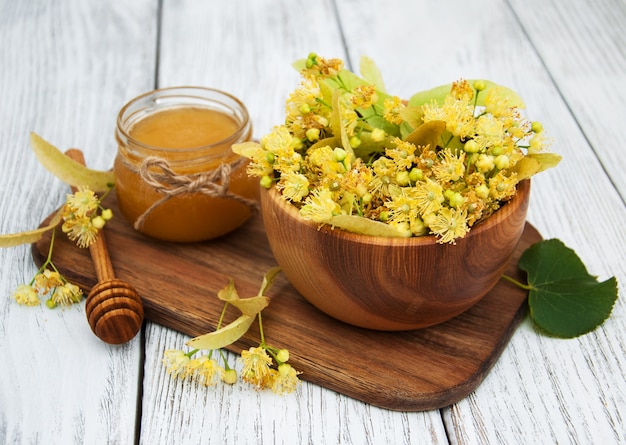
(268, 280)
(427, 134)
(564, 300)
(229, 293)
(28, 237)
(246, 149)
(438, 94)
(68, 170)
(526, 167)
(224, 336)
(412, 115)
(546, 160)
(364, 226)
(251, 306)
(371, 73)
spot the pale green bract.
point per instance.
(68, 170)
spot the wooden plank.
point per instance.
(66, 69)
(541, 388)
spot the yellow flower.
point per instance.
(26, 295)
(175, 362)
(502, 187)
(47, 280)
(392, 110)
(256, 367)
(451, 167)
(449, 225)
(82, 203)
(458, 114)
(67, 294)
(294, 186)
(81, 230)
(462, 91)
(285, 379)
(403, 154)
(320, 206)
(364, 96)
(428, 196)
(489, 131)
(204, 370)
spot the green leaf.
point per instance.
(268, 280)
(564, 299)
(224, 336)
(29, 237)
(364, 226)
(251, 306)
(371, 73)
(427, 134)
(438, 94)
(68, 170)
(228, 293)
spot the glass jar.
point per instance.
(176, 177)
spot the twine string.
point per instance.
(157, 173)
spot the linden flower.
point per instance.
(175, 362)
(204, 370)
(47, 280)
(393, 108)
(67, 295)
(285, 379)
(449, 225)
(256, 367)
(320, 206)
(428, 196)
(82, 203)
(80, 229)
(371, 154)
(294, 186)
(451, 167)
(81, 221)
(26, 295)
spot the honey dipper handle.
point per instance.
(97, 249)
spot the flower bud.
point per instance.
(266, 182)
(98, 222)
(471, 146)
(313, 134)
(416, 174)
(282, 355)
(502, 162)
(536, 127)
(402, 178)
(355, 141)
(378, 135)
(479, 85)
(107, 214)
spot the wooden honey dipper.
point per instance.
(114, 309)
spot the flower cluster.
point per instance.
(258, 362)
(257, 368)
(435, 164)
(83, 216)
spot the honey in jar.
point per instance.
(176, 177)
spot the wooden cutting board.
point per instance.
(408, 371)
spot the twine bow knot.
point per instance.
(157, 173)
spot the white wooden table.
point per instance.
(66, 67)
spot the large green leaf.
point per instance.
(564, 299)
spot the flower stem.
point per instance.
(261, 330)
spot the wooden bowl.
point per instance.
(392, 284)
